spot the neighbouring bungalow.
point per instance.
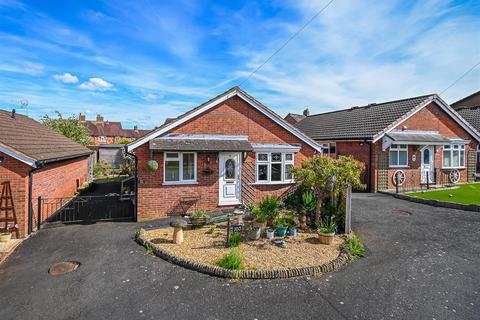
(109, 132)
(229, 151)
(469, 109)
(36, 161)
(421, 141)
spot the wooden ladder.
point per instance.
(7, 207)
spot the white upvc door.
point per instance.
(428, 164)
(230, 178)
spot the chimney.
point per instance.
(13, 113)
(99, 118)
(81, 117)
(306, 112)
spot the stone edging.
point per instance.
(435, 203)
(342, 259)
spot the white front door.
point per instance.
(230, 176)
(428, 164)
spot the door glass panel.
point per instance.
(426, 156)
(230, 169)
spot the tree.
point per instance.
(71, 128)
(328, 177)
(123, 140)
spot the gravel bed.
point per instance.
(200, 246)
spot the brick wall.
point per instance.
(57, 180)
(232, 117)
(16, 172)
(360, 150)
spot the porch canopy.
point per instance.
(204, 142)
(422, 138)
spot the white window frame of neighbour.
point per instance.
(450, 148)
(284, 163)
(179, 158)
(102, 138)
(397, 148)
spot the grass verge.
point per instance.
(463, 194)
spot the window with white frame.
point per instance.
(329, 148)
(398, 155)
(274, 167)
(180, 167)
(453, 156)
(102, 138)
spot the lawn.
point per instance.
(464, 194)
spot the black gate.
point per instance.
(85, 209)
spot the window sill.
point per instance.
(179, 183)
(453, 168)
(271, 183)
(398, 167)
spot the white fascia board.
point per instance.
(214, 103)
(258, 147)
(445, 107)
(18, 156)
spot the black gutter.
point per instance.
(67, 157)
(38, 165)
(135, 205)
(370, 171)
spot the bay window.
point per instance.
(274, 167)
(180, 167)
(453, 156)
(398, 155)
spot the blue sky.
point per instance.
(141, 61)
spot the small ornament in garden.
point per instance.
(280, 243)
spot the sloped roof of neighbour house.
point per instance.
(112, 129)
(294, 118)
(201, 143)
(372, 121)
(472, 100)
(472, 115)
(235, 91)
(30, 141)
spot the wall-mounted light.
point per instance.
(2, 159)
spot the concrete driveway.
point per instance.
(422, 263)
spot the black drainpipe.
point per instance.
(38, 165)
(370, 171)
(136, 183)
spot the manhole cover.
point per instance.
(63, 267)
(402, 212)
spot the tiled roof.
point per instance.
(293, 118)
(199, 145)
(472, 115)
(33, 140)
(472, 100)
(112, 129)
(357, 122)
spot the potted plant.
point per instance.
(260, 220)
(326, 231)
(269, 208)
(270, 233)
(282, 226)
(292, 231)
(6, 234)
(199, 218)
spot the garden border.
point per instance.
(343, 258)
(435, 203)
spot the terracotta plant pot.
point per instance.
(326, 238)
(5, 237)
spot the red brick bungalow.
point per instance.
(228, 151)
(37, 161)
(469, 109)
(421, 138)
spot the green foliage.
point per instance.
(102, 169)
(152, 165)
(149, 250)
(126, 168)
(70, 127)
(212, 229)
(257, 213)
(235, 240)
(355, 246)
(123, 140)
(327, 226)
(231, 260)
(200, 214)
(269, 207)
(308, 201)
(285, 220)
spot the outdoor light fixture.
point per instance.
(1, 159)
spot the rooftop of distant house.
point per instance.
(101, 127)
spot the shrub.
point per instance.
(102, 169)
(327, 226)
(199, 214)
(269, 207)
(212, 229)
(284, 221)
(308, 201)
(355, 246)
(231, 261)
(234, 240)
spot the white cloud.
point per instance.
(94, 84)
(151, 97)
(66, 78)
